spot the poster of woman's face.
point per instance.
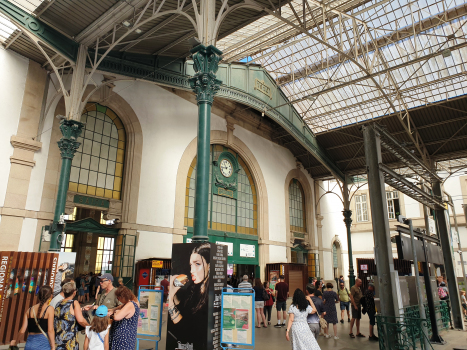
(187, 326)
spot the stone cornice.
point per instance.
(22, 161)
(25, 144)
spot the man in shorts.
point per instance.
(355, 297)
(344, 298)
(281, 293)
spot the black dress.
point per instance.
(192, 328)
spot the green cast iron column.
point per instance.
(348, 223)
(205, 85)
(71, 129)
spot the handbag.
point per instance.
(265, 295)
(322, 322)
(38, 326)
(85, 316)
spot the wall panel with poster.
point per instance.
(23, 274)
(150, 315)
(194, 303)
(238, 318)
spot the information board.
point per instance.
(150, 314)
(238, 318)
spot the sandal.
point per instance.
(257, 327)
(265, 326)
(351, 335)
(360, 335)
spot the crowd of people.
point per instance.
(108, 324)
(313, 311)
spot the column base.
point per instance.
(200, 239)
(437, 340)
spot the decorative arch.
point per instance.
(234, 143)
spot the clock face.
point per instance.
(226, 168)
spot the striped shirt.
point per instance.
(245, 284)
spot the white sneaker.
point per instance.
(336, 337)
(327, 336)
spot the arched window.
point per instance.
(226, 214)
(97, 168)
(297, 207)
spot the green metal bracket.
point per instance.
(58, 41)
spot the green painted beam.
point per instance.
(51, 37)
(250, 85)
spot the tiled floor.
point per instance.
(274, 338)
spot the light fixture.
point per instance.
(126, 23)
(446, 53)
(311, 98)
(138, 31)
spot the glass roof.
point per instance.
(7, 28)
(346, 62)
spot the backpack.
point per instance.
(442, 293)
(265, 295)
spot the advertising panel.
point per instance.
(194, 301)
(237, 318)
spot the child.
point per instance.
(97, 334)
(464, 302)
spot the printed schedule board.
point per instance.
(150, 314)
(238, 318)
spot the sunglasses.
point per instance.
(102, 281)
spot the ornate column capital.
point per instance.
(71, 129)
(347, 217)
(206, 63)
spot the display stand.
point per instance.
(238, 318)
(150, 314)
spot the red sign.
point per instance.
(143, 278)
(364, 267)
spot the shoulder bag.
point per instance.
(265, 295)
(38, 326)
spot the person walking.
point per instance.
(97, 334)
(38, 321)
(244, 283)
(463, 302)
(259, 303)
(281, 294)
(87, 287)
(268, 303)
(125, 325)
(67, 315)
(298, 331)
(59, 297)
(344, 298)
(313, 318)
(166, 284)
(330, 300)
(81, 284)
(371, 309)
(355, 296)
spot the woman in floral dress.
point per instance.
(297, 327)
(67, 316)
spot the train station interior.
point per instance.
(313, 138)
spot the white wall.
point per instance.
(275, 163)
(277, 254)
(28, 234)
(12, 83)
(169, 124)
(154, 245)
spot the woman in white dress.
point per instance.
(297, 327)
